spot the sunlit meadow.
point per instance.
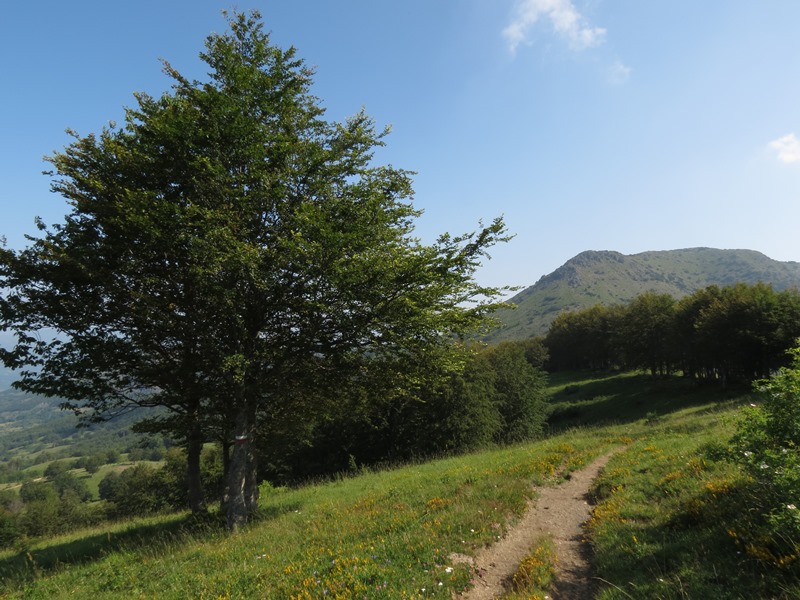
(673, 519)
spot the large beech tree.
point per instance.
(231, 256)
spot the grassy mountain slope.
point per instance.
(605, 277)
(662, 527)
(35, 428)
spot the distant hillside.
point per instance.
(6, 377)
(605, 277)
(29, 423)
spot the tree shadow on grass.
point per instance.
(625, 399)
(158, 538)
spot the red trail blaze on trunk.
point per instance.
(242, 484)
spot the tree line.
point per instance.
(737, 333)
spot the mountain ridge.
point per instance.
(610, 277)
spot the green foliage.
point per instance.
(140, 453)
(767, 444)
(732, 334)
(91, 464)
(47, 508)
(137, 490)
(37, 491)
(68, 484)
(8, 498)
(56, 468)
(742, 332)
(212, 473)
(230, 255)
(518, 392)
(645, 333)
(9, 530)
(536, 352)
(145, 489)
(41, 517)
(585, 339)
(460, 414)
(535, 573)
(496, 398)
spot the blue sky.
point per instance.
(623, 125)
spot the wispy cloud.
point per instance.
(565, 19)
(788, 148)
(619, 73)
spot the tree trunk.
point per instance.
(225, 444)
(240, 495)
(251, 482)
(194, 447)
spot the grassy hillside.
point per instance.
(667, 504)
(35, 431)
(606, 277)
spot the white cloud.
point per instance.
(788, 148)
(564, 18)
(619, 73)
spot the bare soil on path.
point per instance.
(559, 512)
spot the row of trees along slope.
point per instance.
(607, 277)
(235, 258)
(735, 333)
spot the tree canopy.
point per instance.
(234, 257)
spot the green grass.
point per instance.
(672, 515)
(662, 528)
(534, 575)
(384, 535)
(588, 399)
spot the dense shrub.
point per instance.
(143, 489)
(68, 484)
(41, 518)
(497, 398)
(137, 490)
(9, 531)
(56, 468)
(767, 444)
(92, 463)
(37, 491)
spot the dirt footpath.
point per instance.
(559, 512)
